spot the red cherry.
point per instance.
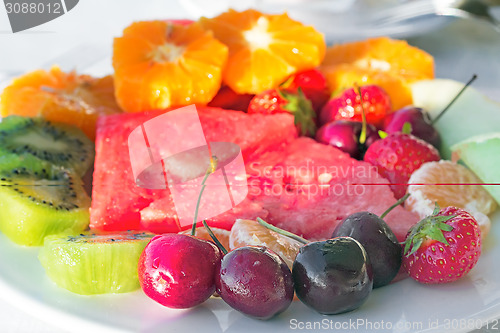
(178, 271)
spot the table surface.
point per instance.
(81, 40)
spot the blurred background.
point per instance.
(82, 38)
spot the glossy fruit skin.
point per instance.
(397, 156)
(333, 276)
(379, 241)
(267, 102)
(255, 281)
(435, 262)
(420, 124)
(344, 135)
(178, 271)
(313, 84)
(347, 106)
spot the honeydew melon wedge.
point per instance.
(482, 155)
(472, 113)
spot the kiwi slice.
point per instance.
(91, 263)
(39, 199)
(59, 144)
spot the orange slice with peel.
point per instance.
(60, 97)
(249, 232)
(159, 64)
(391, 64)
(449, 184)
(264, 50)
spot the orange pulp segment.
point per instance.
(160, 64)
(264, 50)
(449, 184)
(391, 64)
(249, 232)
(60, 97)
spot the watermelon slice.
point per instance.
(118, 204)
(320, 186)
(295, 183)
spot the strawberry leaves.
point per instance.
(294, 102)
(302, 110)
(430, 228)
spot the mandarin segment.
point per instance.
(249, 232)
(160, 64)
(202, 233)
(391, 64)
(60, 97)
(449, 184)
(264, 49)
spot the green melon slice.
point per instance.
(482, 155)
(472, 114)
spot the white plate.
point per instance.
(475, 299)
(405, 306)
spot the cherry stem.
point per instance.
(281, 231)
(210, 170)
(214, 238)
(362, 136)
(399, 202)
(472, 79)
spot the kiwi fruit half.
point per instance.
(39, 199)
(92, 263)
(59, 144)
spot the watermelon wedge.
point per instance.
(118, 204)
(294, 183)
(320, 187)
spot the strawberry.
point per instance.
(397, 156)
(347, 106)
(285, 101)
(442, 247)
(313, 84)
(228, 99)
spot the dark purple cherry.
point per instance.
(255, 281)
(419, 120)
(333, 276)
(379, 241)
(344, 135)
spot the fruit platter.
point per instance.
(352, 198)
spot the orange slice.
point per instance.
(60, 97)
(249, 232)
(432, 181)
(160, 64)
(391, 64)
(202, 233)
(264, 50)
